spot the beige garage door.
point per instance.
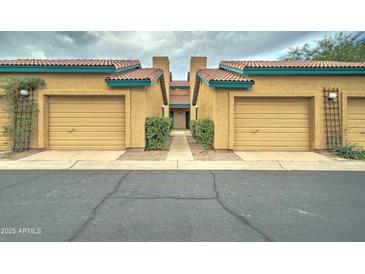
(271, 124)
(86, 122)
(356, 121)
(3, 122)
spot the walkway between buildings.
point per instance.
(179, 149)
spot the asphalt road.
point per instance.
(182, 206)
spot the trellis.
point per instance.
(332, 118)
(22, 109)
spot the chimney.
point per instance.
(162, 62)
(196, 63)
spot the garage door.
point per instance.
(271, 124)
(3, 122)
(86, 122)
(356, 121)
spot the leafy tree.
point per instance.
(342, 46)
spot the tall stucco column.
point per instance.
(162, 62)
(165, 109)
(196, 63)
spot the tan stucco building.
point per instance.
(282, 105)
(90, 104)
(255, 105)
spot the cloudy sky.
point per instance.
(179, 46)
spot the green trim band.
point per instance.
(296, 71)
(179, 105)
(179, 87)
(128, 83)
(65, 69)
(231, 69)
(221, 84)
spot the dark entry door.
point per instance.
(187, 120)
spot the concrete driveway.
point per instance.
(76, 155)
(182, 206)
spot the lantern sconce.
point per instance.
(332, 96)
(24, 92)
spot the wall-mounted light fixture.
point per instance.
(332, 96)
(24, 92)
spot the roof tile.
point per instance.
(179, 83)
(179, 99)
(291, 64)
(139, 74)
(116, 63)
(221, 75)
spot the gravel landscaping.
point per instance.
(201, 154)
(146, 155)
(9, 155)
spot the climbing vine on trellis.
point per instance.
(21, 109)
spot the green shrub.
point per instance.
(349, 151)
(204, 132)
(157, 130)
(192, 128)
(171, 123)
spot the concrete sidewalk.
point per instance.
(281, 156)
(76, 155)
(179, 149)
(328, 165)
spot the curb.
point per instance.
(184, 165)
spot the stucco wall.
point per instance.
(154, 100)
(94, 84)
(206, 102)
(222, 101)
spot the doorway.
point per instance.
(179, 119)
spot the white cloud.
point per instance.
(179, 46)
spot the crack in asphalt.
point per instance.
(24, 181)
(241, 218)
(95, 209)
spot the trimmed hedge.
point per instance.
(157, 130)
(171, 123)
(193, 128)
(202, 131)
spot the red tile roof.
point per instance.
(179, 99)
(291, 64)
(221, 75)
(179, 84)
(179, 91)
(117, 64)
(139, 74)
